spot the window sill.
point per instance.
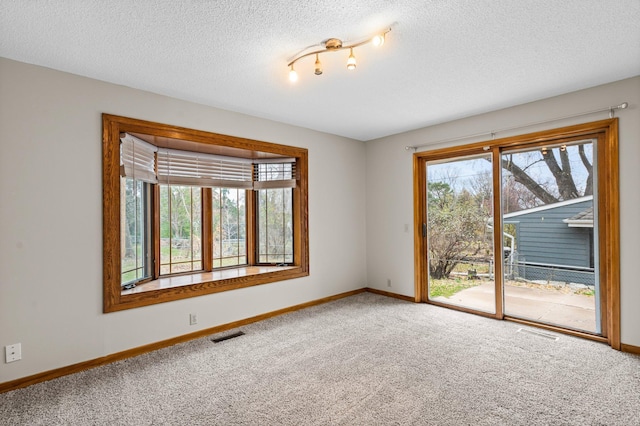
(204, 277)
(198, 284)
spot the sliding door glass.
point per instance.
(459, 232)
(550, 235)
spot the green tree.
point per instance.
(457, 224)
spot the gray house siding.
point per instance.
(544, 240)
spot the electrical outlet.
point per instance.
(13, 352)
(193, 319)
(388, 282)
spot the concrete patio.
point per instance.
(550, 306)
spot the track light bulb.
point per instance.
(351, 62)
(378, 40)
(293, 75)
(318, 66)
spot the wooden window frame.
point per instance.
(156, 241)
(200, 141)
(258, 253)
(209, 242)
(606, 133)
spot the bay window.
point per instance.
(188, 213)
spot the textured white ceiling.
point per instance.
(443, 60)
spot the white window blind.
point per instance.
(146, 162)
(271, 173)
(198, 169)
(137, 159)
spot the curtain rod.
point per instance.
(492, 133)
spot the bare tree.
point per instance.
(558, 162)
(456, 225)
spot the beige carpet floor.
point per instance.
(362, 360)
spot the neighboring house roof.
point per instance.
(551, 206)
(584, 219)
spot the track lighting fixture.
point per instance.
(332, 45)
(293, 75)
(378, 40)
(351, 62)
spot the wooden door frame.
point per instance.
(606, 132)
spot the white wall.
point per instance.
(51, 220)
(390, 185)
(51, 212)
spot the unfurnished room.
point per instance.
(319, 213)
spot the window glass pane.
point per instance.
(165, 230)
(550, 218)
(180, 229)
(460, 232)
(275, 227)
(240, 244)
(229, 227)
(134, 230)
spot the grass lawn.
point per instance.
(449, 286)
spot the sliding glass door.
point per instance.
(524, 228)
(549, 242)
(459, 232)
(549, 222)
